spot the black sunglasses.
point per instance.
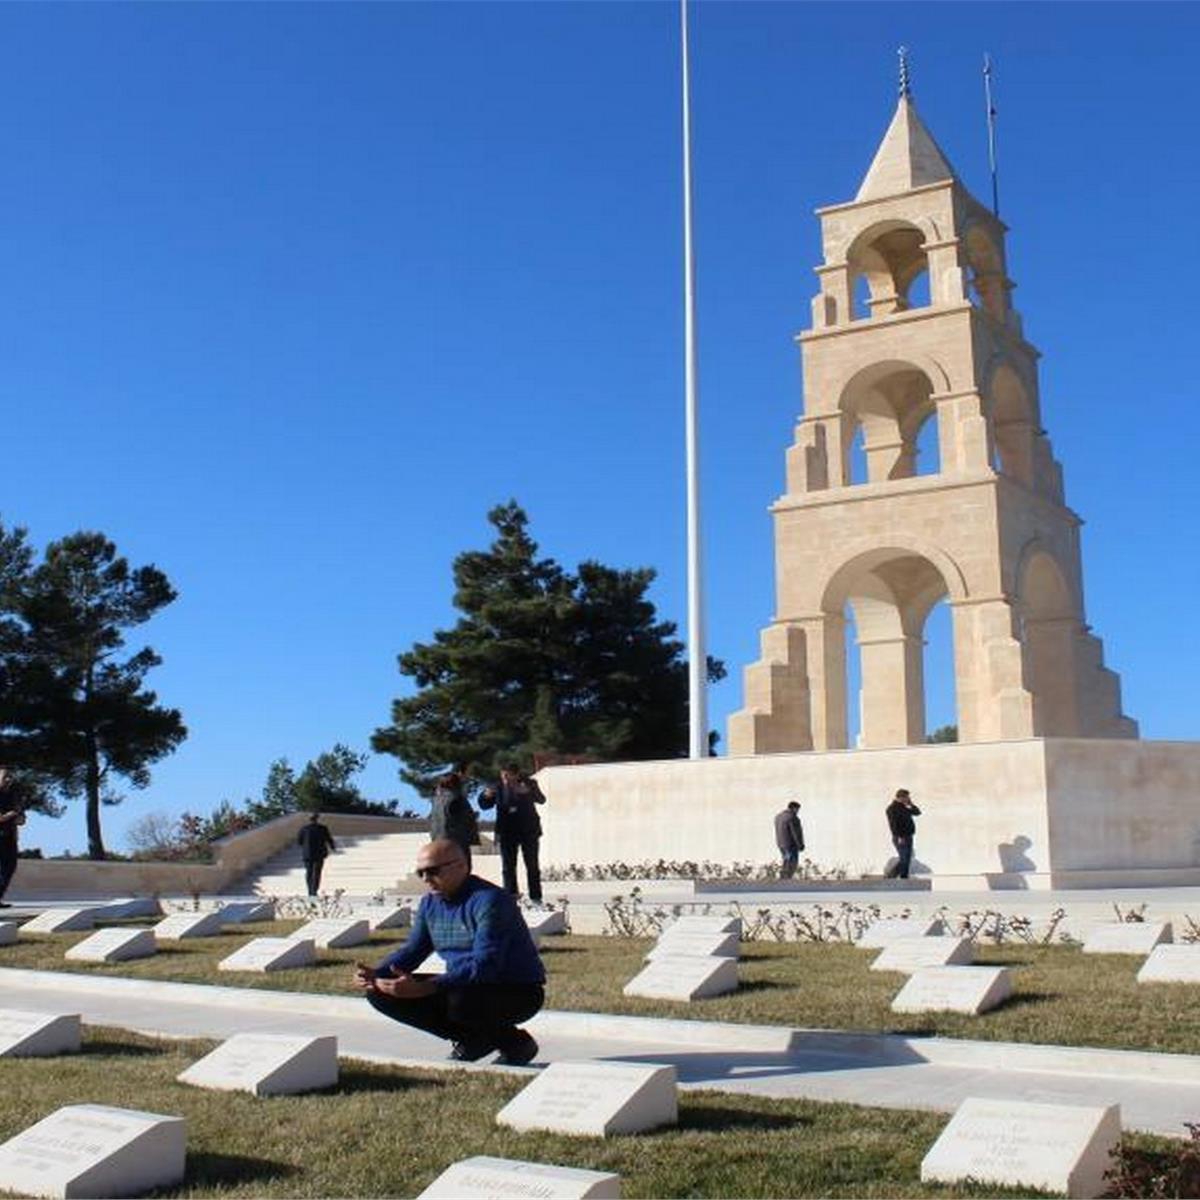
(436, 868)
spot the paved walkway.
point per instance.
(1157, 1092)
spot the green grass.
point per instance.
(389, 1132)
(1061, 995)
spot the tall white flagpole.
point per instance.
(697, 658)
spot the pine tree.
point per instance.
(540, 661)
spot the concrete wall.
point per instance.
(1026, 807)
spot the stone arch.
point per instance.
(1048, 618)
(890, 588)
(984, 254)
(890, 401)
(1013, 415)
(890, 255)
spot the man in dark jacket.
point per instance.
(316, 844)
(789, 837)
(11, 816)
(518, 827)
(900, 815)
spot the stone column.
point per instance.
(893, 691)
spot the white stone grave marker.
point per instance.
(385, 916)
(128, 906)
(8, 932)
(970, 990)
(247, 913)
(336, 933)
(486, 1178)
(61, 920)
(912, 953)
(1059, 1147)
(544, 922)
(706, 923)
(270, 954)
(1128, 937)
(674, 977)
(595, 1099)
(267, 1064)
(114, 945)
(182, 925)
(1171, 964)
(883, 933)
(95, 1150)
(697, 945)
(38, 1035)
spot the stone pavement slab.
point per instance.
(1157, 1092)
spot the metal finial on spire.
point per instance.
(902, 54)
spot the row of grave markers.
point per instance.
(695, 957)
(96, 1150)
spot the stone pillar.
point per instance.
(946, 285)
(834, 304)
(826, 639)
(963, 437)
(893, 691)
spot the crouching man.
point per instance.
(494, 977)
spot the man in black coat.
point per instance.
(900, 815)
(316, 844)
(789, 837)
(12, 815)
(518, 827)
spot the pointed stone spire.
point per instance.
(908, 157)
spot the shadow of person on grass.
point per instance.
(355, 1080)
(206, 1169)
(717, 1118)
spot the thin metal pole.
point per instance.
(991, 125)
(697, 658)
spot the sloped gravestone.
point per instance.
(970, 990)
(114, 945)
(705, 923)
(485, 1178)
(8, 932)
(594, 1099)
(267, 1064)
(695, 945)
(912, 953)
(1172, 964)
(545, 922)
(182, 925)
(883, 933)
(1128, 937)
(336, 933)
(61, 920)
(386, 916)
(38, 1035)
(128, 906)
(95, 1150)
(680, 977)
(1013, 1143)
(270, 954)
(247, 913)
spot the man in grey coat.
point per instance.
(789, 837)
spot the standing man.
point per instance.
(789, 837)
(316, 844)
(900, 815)
(493, 980)
(11, 816)
(518, 827)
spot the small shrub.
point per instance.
(1170, 1172)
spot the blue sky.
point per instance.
(295, 293)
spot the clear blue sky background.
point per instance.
(294, 293)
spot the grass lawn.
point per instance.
(387, 1131)
(1061, 995)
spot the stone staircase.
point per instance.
(363, 865)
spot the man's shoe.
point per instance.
(522, 1049)
(470, 1051)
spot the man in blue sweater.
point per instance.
(494, 977)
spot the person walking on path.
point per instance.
(789, 837)
(12, 815)
(900, 815)
(494, 979)
(316, 844)
(451, 815)
(518, 827)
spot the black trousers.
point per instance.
(312, 874)
(904, 848)
(480, 1012)
(527, 844)
(8, 867)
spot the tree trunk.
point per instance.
(95, 838)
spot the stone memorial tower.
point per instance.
(987, 529)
